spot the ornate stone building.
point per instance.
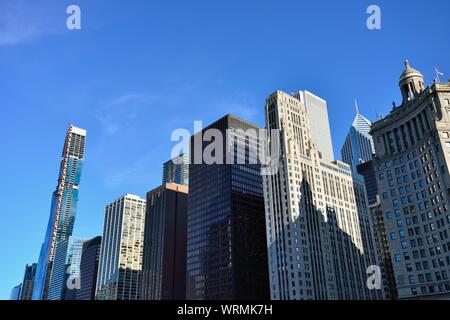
(412, 161)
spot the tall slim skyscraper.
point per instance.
(63, 208)
(358, 147)
(89, 269)
(319, 236)
(65, 277)
(28, 281)
(227, 255)
(119, 273)
(412, 166)
(165, 243)
(177, 170)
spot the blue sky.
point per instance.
(140, 69)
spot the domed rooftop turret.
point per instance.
(411, 83)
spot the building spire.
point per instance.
(357, 108)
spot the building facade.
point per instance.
(226, 244)
(176, 170)
(358, 147)
(28, 281)
(165, 243)
(119, 273)
(65, 277)
(89, 269)
(382, 248)
(412, 161)
(318, 228)
(63, 208)
(367, 170)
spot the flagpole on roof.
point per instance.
(438, 75)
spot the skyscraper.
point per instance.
(15, 292)
(319, 236)
(89, 269)
(176, 170)
(317, 113)
(367, 171)
(121, 252)
(358, 147)
(165, 241)
(227, 255)
(63, 208)
(27, 283)
(65, 277)
(412, 160)
(358, 151)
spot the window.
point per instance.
(397, 258)
(393, 236)
(404, 244)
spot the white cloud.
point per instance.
(24, 21)
(132, 174)
(119, 112)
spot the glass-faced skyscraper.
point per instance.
(63, 208)
(176, 170)
(15, 293)
(66, 270)
(89, 268)
(226, 250)
(358, 147)
(119, 271)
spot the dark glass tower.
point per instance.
(28, 280)
(368, 172)
(63, 208)
(89, 268)
(227, 253)
(164, 262)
